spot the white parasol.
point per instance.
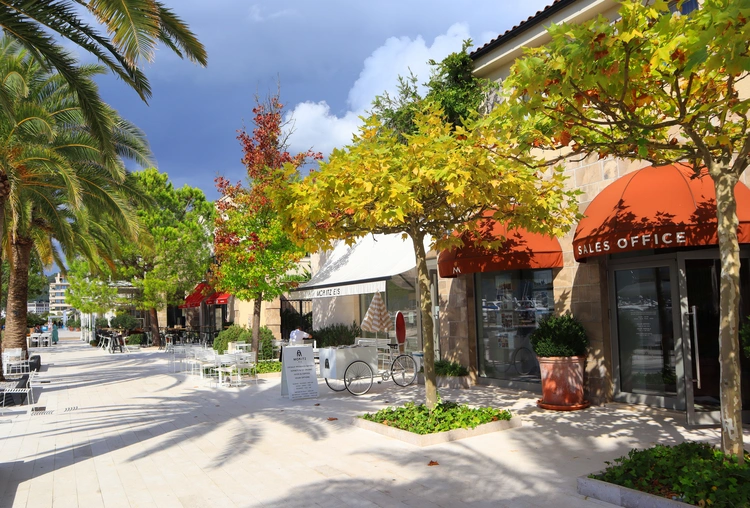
(377, 318)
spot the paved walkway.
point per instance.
(124, 430)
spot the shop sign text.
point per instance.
(644, 241)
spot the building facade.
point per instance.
(37, 307)
(57, 303)
(640, 271)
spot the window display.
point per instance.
(512, 303)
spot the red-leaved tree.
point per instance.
(255, 259)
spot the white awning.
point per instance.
(362, 268)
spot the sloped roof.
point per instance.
(532, 21)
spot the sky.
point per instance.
(329, 59)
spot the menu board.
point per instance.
(298, 378)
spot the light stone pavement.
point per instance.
(124, 430)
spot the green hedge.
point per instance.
(560, 336)
(237, 333)
(694, 473)
(337, 335)
(137, 339)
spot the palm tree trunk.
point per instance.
(4, 191)
(154, 320)
(729, 302)
(18, 290)
(257, 304)
(425, 305)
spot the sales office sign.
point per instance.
(632, 242)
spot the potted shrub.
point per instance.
(560, 343)
(449, 375)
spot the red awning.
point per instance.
(218, 299)
(195, 298)
(521, 250)
(656, 207)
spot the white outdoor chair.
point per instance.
(15, 362)
(27, 389)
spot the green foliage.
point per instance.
(34, 320)
(137, 339)
(695, 473)
(124, 321)
(101, 322)
(265, 346)
(336, 335)
(88, 292)
(444, 417)
(73, 323)
(38, 286)
(559, 336)
(268, 366)
(448, 368)
(232, 334)
(745, 337)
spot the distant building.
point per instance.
(57, 304)
(37, 307)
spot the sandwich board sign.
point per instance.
(298, 379)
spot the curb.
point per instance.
(439, 437)
(623, 496)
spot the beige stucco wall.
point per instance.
(270, 315)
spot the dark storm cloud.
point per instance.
(316, 50)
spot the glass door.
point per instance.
(701, 331)
(646, 359)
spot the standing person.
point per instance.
(55, 337)
(297, 336)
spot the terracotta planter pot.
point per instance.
(562, 383)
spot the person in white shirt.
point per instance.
(297, 336)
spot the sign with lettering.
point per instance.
(298, 379)
(609, 244)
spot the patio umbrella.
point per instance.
(377, 318)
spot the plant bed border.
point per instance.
(623, 496)
(451, 382)
(437, 437)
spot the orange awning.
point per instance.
(521, 250)
(218, 299)
(656, 207)
(195, 298)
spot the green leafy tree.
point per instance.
(659, 87)
(60, 186)
(89, 291)
(424, 181)
(255, 258)
(134, 29)
(174, 248)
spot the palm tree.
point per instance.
(134, 28)
(59, 184)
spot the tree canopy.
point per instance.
(656, 86)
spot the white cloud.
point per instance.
(257, 16)
(315, 126)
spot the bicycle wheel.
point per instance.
(404, 370)
(524, 361)
(358, 377)
(337, 385)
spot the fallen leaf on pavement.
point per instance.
(331, 418)
(433, 463)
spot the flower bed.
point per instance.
(693, 473)
(445, 417)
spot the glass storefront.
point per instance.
(512, 303)
(645, 331)
(400, 295)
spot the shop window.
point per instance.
(510, 304)
(400, 295)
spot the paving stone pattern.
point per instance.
(124, 430)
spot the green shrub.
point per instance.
(73, 323)
(694, 473)
(452, 369)
(94, 342)
(101, 322)
(559, 336)
(237, 333)
(336, 335)
(268, 366)
(745, 337)
(33, 320)
(124, 321)
(446, 416)
(137, 339)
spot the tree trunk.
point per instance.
(18, 289)
(154, 319)
(731, 400)
(4, 190)
(257, 304)
(425, 305)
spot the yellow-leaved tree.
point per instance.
(437, 178)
